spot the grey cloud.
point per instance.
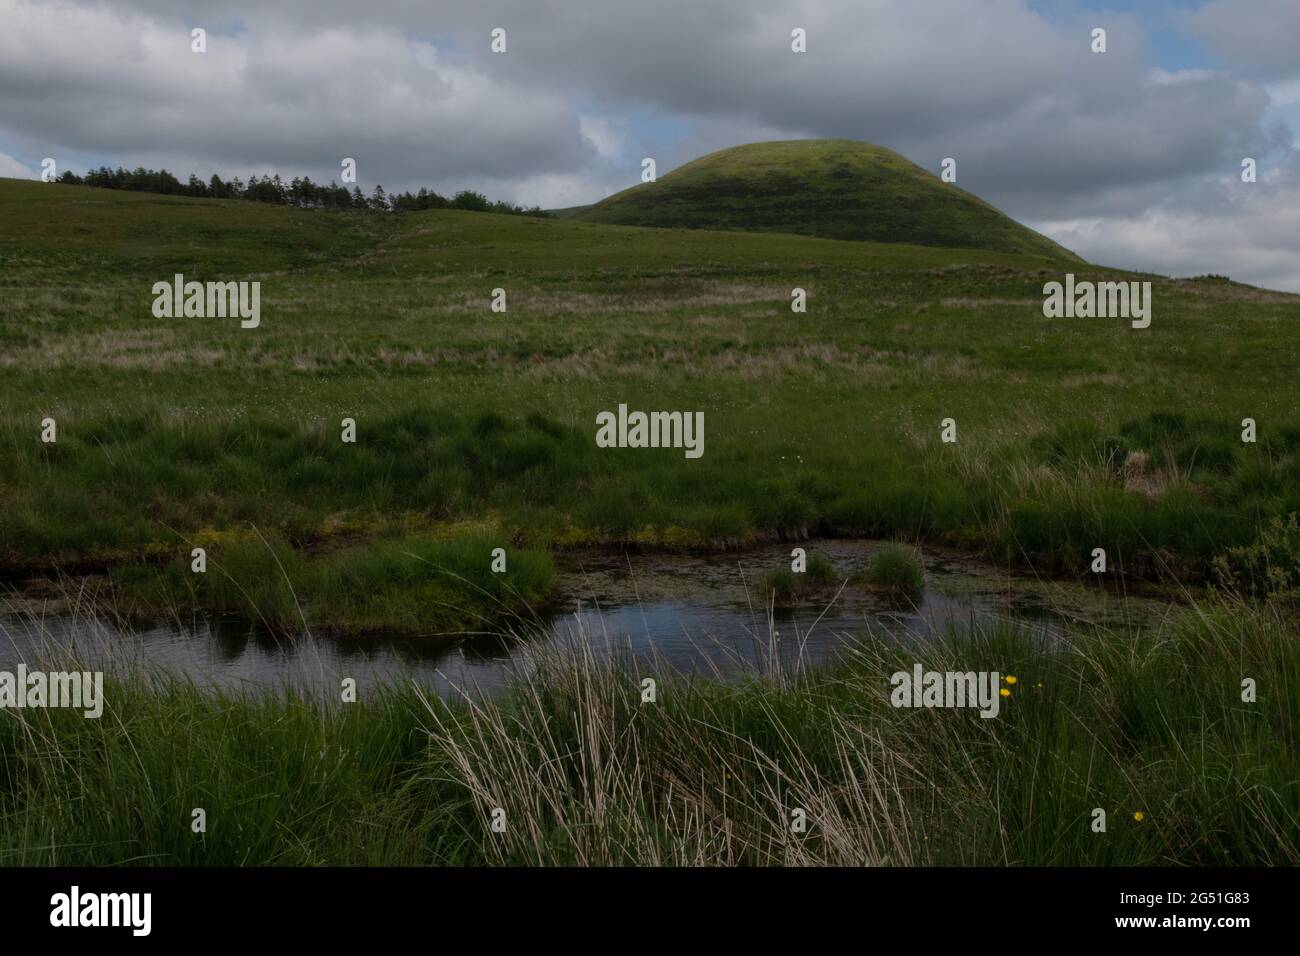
(1039, 125)
(1032, 115)
(1258, 37)
(1024, 104)
(1249, 231)
(91, 80)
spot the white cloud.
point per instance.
(607, 133)
(1284, 94)
(10, 168)
(1247, 231)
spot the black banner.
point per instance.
(923, 906)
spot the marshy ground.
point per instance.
(476, 431)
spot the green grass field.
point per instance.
(476, 430)
(1073, 433)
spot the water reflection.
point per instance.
(696, 614)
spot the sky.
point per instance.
(1131, 157)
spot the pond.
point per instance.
(694, 613)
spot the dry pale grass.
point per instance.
(968, 303)
(1094, 380)
(784, 360)
(585, 771)
(151, 349)
(1142, 477)
(1231, 292)
(693, 295)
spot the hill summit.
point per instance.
(832, 188)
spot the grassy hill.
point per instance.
(832, 188)
(569, 212)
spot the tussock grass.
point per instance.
(709, 773)
(896, 567)
(417, 585)
(784, 585)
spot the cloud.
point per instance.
(1100, 147)
(1257, 37)
(10, 168)
(1247, 231)
(297, 101)
(607, 134)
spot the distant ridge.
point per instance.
(832, 188)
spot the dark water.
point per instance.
(693, 614)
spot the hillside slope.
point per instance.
(823, 422)
(831, 188)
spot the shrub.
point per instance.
(1269, 568)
